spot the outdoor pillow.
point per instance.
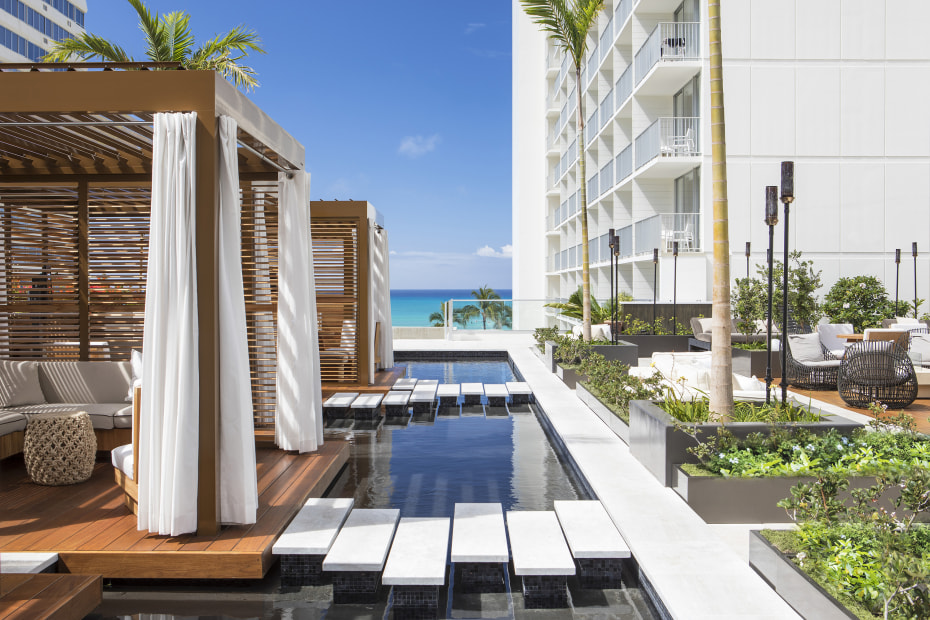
(805, 348)
(135, 362)
(920, 344)
(19, 384)
(747, 384)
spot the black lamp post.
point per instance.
(616, 262)
(674, 291)
(897, 278)
(787, 197)
(655, 275)
(748, 252)
(914, 252)
(771, 219)
(613, 296)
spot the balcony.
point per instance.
(624, 163)
(671, 144)
(663, 230)
(669, 58)
(624, 87)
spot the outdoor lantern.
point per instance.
(914, 253)
(748, 252)
(613, 293)
(897, 274)
(655, 290)
(675, 290)
(771, 219)
(771, 205)
(787, 181)
(787, 197)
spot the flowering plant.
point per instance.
(860, 300)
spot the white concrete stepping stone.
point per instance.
(339, 403)
(520, 392)
(395, 403)
(497, 394)
(359, 552)
(27, 562)
(595, 542)
(405, 384)
(423, 396)
(540, 557)
(448, 394)
(309, 538)
(367, 406)
(418, 554)
(472, 393)
(479, 546)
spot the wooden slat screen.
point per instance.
(39, 274)
(118, 241)
(260, 279)
(335, 267)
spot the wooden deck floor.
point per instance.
(52, 596)
(93, 533)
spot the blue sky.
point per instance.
(405, 104)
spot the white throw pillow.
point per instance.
(747, 384)
(805, 347)
(19, 384)
(135, 361)
(920, 344)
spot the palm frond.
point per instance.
(178, 39)
(152, 28)
(566, 21)
(85, 47)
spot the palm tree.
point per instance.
(488, 309)
(721, 390)
(438, 319)
(568, 22)
(599, 313)
(168, 38)
(462, 316)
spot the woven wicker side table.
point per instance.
(60, 448)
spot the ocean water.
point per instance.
(412, 307)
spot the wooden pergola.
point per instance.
(75, 189)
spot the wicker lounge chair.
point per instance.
(877, 371)
(807, 369)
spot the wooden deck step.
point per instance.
(55, 596)
(308, 539)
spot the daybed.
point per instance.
(702, 331)
(99, 388)
(688, 375)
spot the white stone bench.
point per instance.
(422, 397)
(595, 542)
(497, 394)
(472, 393)
(367, 407)
(309, 538)
(416, 565)
(358, 554)
(337, 405)
(28, 562)
(479, 546)
(405, 384)
(540, 557)
(448, 394)
(395, 403)
(520, 392)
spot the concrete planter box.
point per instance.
(749, 363)
(791, 583)
(569, 376)
(649, 344)
(620, 428)
(549, 355)
(623, 351)
(745, 500)
(659, 446)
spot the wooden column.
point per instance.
(83, 272)
(364, 299)
(207, 197)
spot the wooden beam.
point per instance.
(83, 272)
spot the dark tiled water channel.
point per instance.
(421, 465)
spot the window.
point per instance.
(687, 102)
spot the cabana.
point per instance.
(101, 171)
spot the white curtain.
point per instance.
(238, 484)
(379, 308)
(170, 401)
(299, 407)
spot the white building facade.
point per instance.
(837, 86)
(28, 28)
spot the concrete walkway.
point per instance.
(694, 572)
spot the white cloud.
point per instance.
(474, 27)
(392, 253)
(415, 146)
(506, 251)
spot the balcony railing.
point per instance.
(607, 39)
(592, 187)
(606, 109)
(663, 230)
(624, 87)
(668, 137)
(606, 176)
(669, 41)
(626, 241)
(621, 13)
(590, 128)
(624, 163)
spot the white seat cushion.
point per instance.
(805, 348)
(824, 363)
(123, 459)
(10, 422)
(103, 416)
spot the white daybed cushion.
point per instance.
(103, 416)
(905, 320)
(135, 363)
(10, 422)
(19, 384)
(122, 459)
(906, 327)
(805, 348)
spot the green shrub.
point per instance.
(749, 302)
(803, 284)
(859, 300)
(543, 334)
(611, 383)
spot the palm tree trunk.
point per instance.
(585, 258)
(721, 388)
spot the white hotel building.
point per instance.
(29, 27)
(839, 86)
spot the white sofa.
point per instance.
(32, 387)
(688, 375)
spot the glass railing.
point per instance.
(668, 137)
(664, 230)
(624, 87)
(624, 163)
(668, 41)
